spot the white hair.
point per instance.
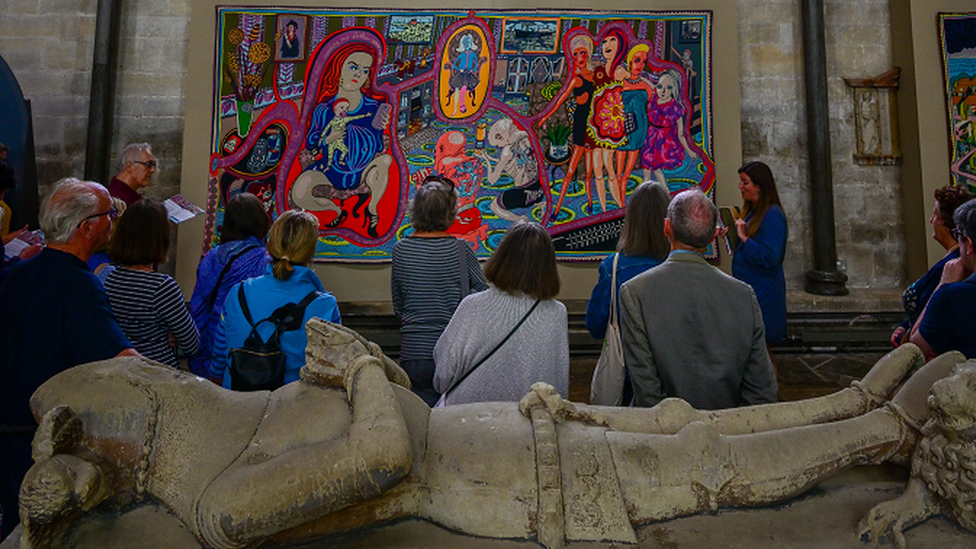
(131, 154)
(68, 205)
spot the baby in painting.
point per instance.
(336, 130)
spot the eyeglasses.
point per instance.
(957, 234)
(112, 214)
(150, 165)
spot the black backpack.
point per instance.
(260, 365)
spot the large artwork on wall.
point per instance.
(554, 117)
(958, 33)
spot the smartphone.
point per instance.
(728, 220)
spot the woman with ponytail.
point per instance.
(291, 245)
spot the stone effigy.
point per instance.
(347, 447)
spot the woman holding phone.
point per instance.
(762, 232)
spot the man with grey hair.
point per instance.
(688, 329)
(135, 170)
(55, 316)
(948, 322)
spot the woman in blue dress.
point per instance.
(758, 259)
(364, 170)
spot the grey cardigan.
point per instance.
(538, 351)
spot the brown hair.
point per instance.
(525, 262)
(141, 235)
(949, 198)
(433, 205)
(292, 242)
(760, 174)
(244, 216)
(643, 231)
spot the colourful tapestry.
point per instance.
(958, 33)
(554, 117)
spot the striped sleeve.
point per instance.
(171, 310)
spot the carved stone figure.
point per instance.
(345, 447)
(943, 477)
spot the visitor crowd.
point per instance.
(468, 334)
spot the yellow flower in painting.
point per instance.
(611, 114)
(235, 36)
(259, 53)
(252, 80)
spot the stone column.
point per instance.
(824, 278)
(101, 110)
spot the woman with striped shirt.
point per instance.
(431, 270)
(149, 306)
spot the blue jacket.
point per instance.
(264, 295)
(598, 308)
(759, 263)
(251, 264)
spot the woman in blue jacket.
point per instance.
(758, 259)
(241, 255)
(288, 279)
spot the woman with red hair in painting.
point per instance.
(364, 170)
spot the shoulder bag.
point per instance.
(607, 387)
(443, 400)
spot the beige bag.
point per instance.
(607, 387)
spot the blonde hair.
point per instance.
(292, 242)
(634, 51)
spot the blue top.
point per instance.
(759, 263)
(918, 294)
(55, 316)
(264, 295)
(949, 323)
(598, 309)
(252, 263)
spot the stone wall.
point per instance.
(867, 205)
(48, 44)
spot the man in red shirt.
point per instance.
(137, 164)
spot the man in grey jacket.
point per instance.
(688, 329)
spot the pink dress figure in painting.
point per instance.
(666, 146)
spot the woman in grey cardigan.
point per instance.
(524, 281)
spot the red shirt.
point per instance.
(120, 190)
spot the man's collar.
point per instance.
(687, 256)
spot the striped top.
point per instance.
(147, 306)
(426, 289)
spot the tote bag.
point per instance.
(607, 387)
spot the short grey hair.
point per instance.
(965, 219)
(693, 218)
(68, 205)
(131, 154)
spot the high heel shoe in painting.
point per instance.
(338, 220)
(370, 221)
